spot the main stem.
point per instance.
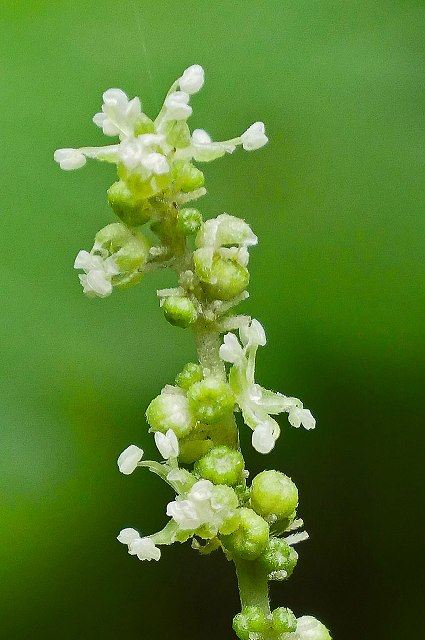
(252, 577)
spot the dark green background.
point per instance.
(337, 279)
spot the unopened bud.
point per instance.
(189, 221)
(221, 465)
(283, 620)
(130, 209)
(250, 538)
(279, 556)
(210, 400)
(250, 620)
(190, 374)
(171, 411)
(186, 177)
(273, 495)
(222, 279)
(179, 311)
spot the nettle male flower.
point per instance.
(193, 419)
(256, 403)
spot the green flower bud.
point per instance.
(273, 495)
(144, 125)
(279, 556)
(308, 628)
(250, 538)
(179, 311)
(283, 620)
(171, 411)
(249, 620)
(133, 211)
(190, 374)
(186, 176)
(227, 278)
(210, 400)
(130, 250)
(189, 221)
(221, 465)
(177, 134)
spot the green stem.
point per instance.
(253, 585)
(208, 343)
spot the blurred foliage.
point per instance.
(337, 200)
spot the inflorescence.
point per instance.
(193, 420)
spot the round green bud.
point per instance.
(273, 495)
(249, 620)
(179, 311)
(210, 399)
(221, 465)
(283, 620)
(279, 556)
(308, 628)
(189, 221)
(191, 373)
(250, 538)
(186, 176)
(132, 210)
(177, 133)
(171, 411)
(227, 280)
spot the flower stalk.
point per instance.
(193, 419)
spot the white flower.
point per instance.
(167, 444)
(192, 79)
(264, 437)
(143, 548)
(139, 154)
(69, 159)
(177, 107)
(205, 504)
(97, 280)
(254, 137)
(298, 416)
(119, 114)
(256, 403)
(129, 459)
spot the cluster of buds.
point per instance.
(193, 420)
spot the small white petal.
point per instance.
(192, 79)
(167, 444)
(177, 107)
(263, 438)
(184, 512)
(69, 159)
(254, 137)
(87, 261)
(145, 549)
(253, 334)
(231, 350)
(201, 490)
(129, 459)
(127, 536)
(156, 162)
(298, 417)
(200, 136)
(96, 283)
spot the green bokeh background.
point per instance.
(337, 201)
